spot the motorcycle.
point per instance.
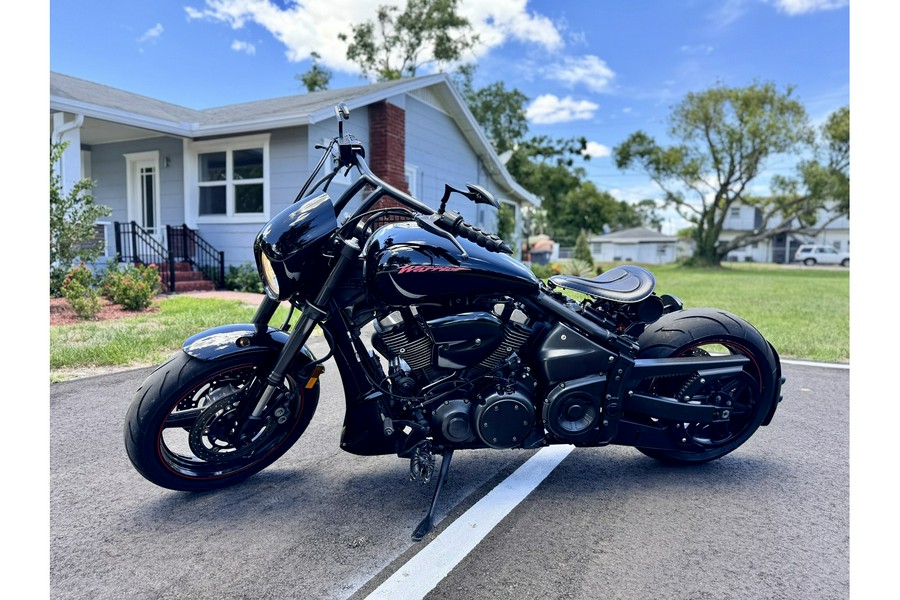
(468, 350)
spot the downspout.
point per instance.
(58, 132)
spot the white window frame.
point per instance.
(193, 150)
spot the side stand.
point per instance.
(427, 523)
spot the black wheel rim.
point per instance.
(174, 444)
(738, 398)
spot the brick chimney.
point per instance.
(387, 145)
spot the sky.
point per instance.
(601, 69)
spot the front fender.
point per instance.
(239, 338)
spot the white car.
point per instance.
(812, 254)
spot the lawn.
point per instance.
(804, 312)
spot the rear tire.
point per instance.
(809, 262)
(163, 444)
(845, 262)
(703, 332)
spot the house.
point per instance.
(637, 244)
(197, 185)
(781, 248)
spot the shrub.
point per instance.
(542, 271)
(579, 268)
(243, 278)
(79, 291)
(73, 216)
(134, 286)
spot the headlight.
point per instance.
(268, 273)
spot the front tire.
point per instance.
(750, 396)
(179, 430)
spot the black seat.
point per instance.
(627, 283)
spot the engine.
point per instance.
(467, 364)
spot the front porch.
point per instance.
(186, 262)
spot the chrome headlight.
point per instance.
(268, 275)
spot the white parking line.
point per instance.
(427, 568)
(806, 363)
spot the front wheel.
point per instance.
(748, 397)
(182, 430)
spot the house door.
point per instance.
(143, 192)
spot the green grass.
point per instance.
(144, 339)
(804, 312)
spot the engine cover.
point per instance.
(505, 419)
(572, 412)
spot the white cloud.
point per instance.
(596, 150)
(590, 71)
(152, 33)
(314, 25)
(799, 7)
(246, 47)
(696, 49)
(548, 109)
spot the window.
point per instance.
(232, 179)
(735, 212)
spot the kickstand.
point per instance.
(427, 523)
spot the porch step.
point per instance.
(189, 280)
(198, 285)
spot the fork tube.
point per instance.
(312, 315)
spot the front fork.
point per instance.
(312, 315)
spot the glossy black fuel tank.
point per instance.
(407, 265)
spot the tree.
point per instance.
(506, 222)
(499, 111)
(317, 78)
(726, 135)
(73, 216)
(397, 44)
(647, 210)
(822, 181)
(587, 208)
(582, 249)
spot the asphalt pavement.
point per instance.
(770, 520)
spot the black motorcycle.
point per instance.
(468, 349)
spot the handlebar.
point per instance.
(438, 222)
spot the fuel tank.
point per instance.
(405, 264)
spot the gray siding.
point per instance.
(108, 169)
(287, 156)
(441, 155)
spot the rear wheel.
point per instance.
(845, 262)
(809, 262)
(747, 397)
(182, 430)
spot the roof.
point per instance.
(635, 235)
(81, 97)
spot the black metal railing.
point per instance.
(134, 244)
(186, 245)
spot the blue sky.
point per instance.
(599, 69)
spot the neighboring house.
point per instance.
(781, 248)
(637, 244)
(218, 175)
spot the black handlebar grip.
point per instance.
(454, 224)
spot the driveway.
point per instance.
(768, 521)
